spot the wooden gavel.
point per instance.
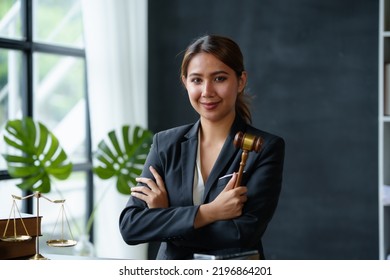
(247, 143)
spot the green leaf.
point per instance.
(60, 172)
(42, 140)
(40, 183)
(104, 173)
(17, 159)
(15, 145)
(115, 143)
(29, 182)
(60, 158)
(38, 157)
(104, 149)
(103, 160)
(129, 156)
(54, 145)
(122, 185)
(22, 171)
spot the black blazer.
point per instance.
(173, 155)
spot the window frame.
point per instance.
(28, 47)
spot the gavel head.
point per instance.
(248, 142)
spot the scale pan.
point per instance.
(61, 243)
(15, 238)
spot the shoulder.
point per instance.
(268, 138)
(272, 149)
(173, 135)
(176, 132)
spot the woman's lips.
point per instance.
(210, 105)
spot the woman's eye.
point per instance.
(196, 80)
(220, 79)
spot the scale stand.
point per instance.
(15, 237)
(53, 242)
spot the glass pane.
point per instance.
(10, 92)
(58, 22)
(59, 101)
(11, 19)
(69, 223)
(7, 189)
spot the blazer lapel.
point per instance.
(226, 156)
(189, 149)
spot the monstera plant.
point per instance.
(36, 155)
(122, 156)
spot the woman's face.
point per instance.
(212, 87)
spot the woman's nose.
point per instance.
(208, 89)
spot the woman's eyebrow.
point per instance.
(218, 72)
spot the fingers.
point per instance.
(156, 185)
(232, 182)
(138, 194)
(153, 192)
(159, 180)
(147, 182)
(243, 197)
(241, 190)
(141, 189)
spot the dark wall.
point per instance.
(312, 67)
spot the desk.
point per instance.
(67, 257)
(71, 257)
(59, 257)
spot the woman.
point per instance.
(186, 196)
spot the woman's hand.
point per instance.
(227, 205)
(154, 193)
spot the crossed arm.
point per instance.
(227, 205)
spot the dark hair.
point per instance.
(227, 51)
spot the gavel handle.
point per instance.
(244, 156)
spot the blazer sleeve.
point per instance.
(264, 181)
(139, 224)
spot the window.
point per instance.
(43, 75)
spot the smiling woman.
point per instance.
(184, 198)
(212, 87)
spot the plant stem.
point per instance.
(93, 213)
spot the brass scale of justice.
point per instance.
(246, 142)
(16, 237)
